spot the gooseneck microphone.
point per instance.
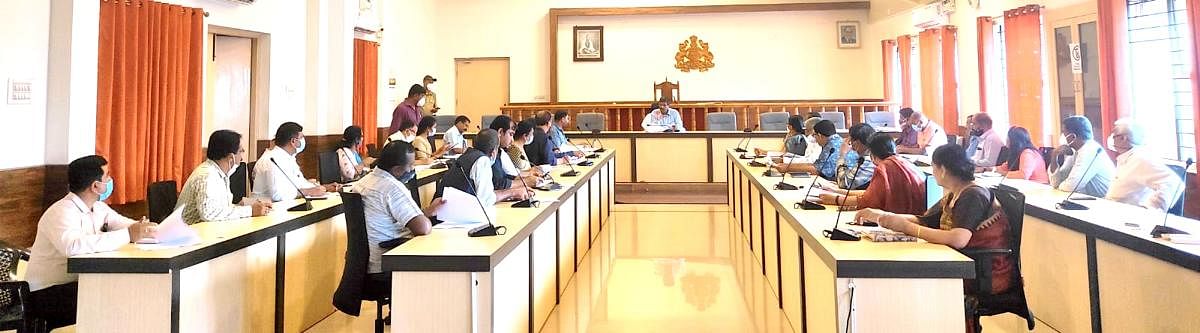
(1162, 229)
(804, 203)
(527, 202)
(304, 207)
(748, 138)
(838, 234)
(585, 162)
(593, 141)
(783, 186)
(484, 230)
(1067, 204)
(571, 173)
(743, 140)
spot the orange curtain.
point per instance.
(1023, 53)
(927, 44)
(1193, 11)
(904, 47)
(366, 90)
(149, 91)
(1114, 95)
(948, 64)
(984, 25)
(889, 46)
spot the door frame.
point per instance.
(508, 91)
(260, 79)
(1071, 16)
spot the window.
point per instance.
(997, 76)
(914, 71)
(1159, 68)
(897, 82)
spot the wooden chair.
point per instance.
(668, 89)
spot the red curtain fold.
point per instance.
(985, 30)
(927, 44)
(1193, 12)
(149, 93)
(1114, 69)
(1023, 53)
(889, 46)
(948, 64)
(904, 47)
(365, 100)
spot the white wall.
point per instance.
(23, 56)
(757, 56)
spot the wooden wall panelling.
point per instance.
(22, 205)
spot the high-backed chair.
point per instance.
(328, 168)
(838, 119)
(444, 122)
(14, 295)
(720, 121)
(773, 121)
(160, 200)
(879, 119)
(1181, 171)
(485, 121)
(238, 183)
(668, 89)
(591, 121)
(356, 285)
(986, 302)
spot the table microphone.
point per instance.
(591, 142)
(1067, 204)
(742, 150)
(1161, 229)
(571, 173)
(304, 207)
(838, 234)
(584, 163)
(804, 204)
(483, 230)
(527, 202)
(601, 150)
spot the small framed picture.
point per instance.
(589, 43)
(848, 34)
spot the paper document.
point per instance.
(462, 208)
(173, 232)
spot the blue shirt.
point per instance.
(557, 137)
(972, 146)
(850, 176)
(827, 162)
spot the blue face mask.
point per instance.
(108, 191)
(407, 176)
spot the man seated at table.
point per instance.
(794, 143)
(206, 195)
(388, 205)
(663, 118)
(1078, 152)
(897, 185)
(849, 175)
(1142, 179)
(987, 150)
(504, 168)
(558, 138)
(278, 164)
(826, 163)
(908, 136)
(538, 148)
(930, 135)
(453, 137)
(79, 223)
(473, 172)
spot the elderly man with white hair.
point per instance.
(1142, 179)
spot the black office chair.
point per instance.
(237, 182)
(985, 302)
(328, 167)
(1045, 151)
(373, 151)
(951, 138)
(14, 295)
(356, 285)
(160, 199)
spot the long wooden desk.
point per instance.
(273, 273)
(898, 287)
(448, 282)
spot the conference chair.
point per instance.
(951, 138)
(485, 121)
(773, 121)
(356, 285)
(328, 168)
(880, 119)
(720, 121)
(838, 118)
(372, 150)
(985, 302)
(591, 121)
(1181, 171)
(444, 122)
(160, 200)
(238, 184)
(14, 294)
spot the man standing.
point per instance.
(1074, 171)
(278, 164)
(1142, 179)
(987, 151)
(408, 109)
(429, 107)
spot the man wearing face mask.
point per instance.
(1082, 150)
(271, 181)
(930, 135)
(408, 109)
(429, 104)
(453, 137)
(1142, 179)
(206, 196)
(477, 162)
(388, 204)
(987, 149)
(79, 223)
(972, 141)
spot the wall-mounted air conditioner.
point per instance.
(244, 2)
(930, 16)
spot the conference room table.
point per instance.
(274, 273)
(448, 282)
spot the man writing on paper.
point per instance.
(206, 195)
(271, 181)
(477, 162)
(663, 118)
(79, 223)
(388, 205)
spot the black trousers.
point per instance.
(55, 305)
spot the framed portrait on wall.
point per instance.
(848, 34)
(589, 43)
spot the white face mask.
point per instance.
(300, 148)
(421, 102)
(233, 167)
(408, 138)
(433, 131)
(429, 86)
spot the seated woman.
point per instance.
(424, 151)
(522, 135)
(795, 142)
(349, 161)
(1024, 160)
(967, 217)
(897, 185)
(825, 165)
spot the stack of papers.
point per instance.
(463, 209)
(172, 232)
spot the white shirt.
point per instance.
(481, 179)
(454, 138)
(988, 150)
(270, 181)
(1143, 180)
(69, 228)
(207, 196)
(1071, 174)
(387, 206)
(658, 122)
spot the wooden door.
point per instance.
(480, 87)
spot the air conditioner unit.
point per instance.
(929, 16)
(244, 2)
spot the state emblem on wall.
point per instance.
(693, 55)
